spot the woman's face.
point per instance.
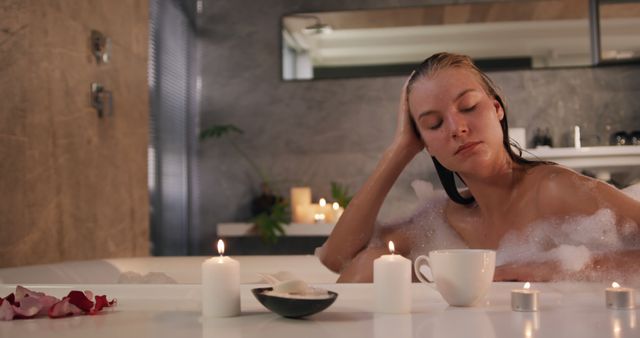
(457, 120)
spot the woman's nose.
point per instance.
(457, 124)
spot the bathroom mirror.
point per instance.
(619, 30)
(498, 35)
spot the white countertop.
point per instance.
(567, 310)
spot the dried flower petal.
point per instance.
(102, 302)
(79, 299)
(28, 308)
(63, 308)
(11, 298)
(6, 310)
(25, 303)
(44, 299)
(22, 292)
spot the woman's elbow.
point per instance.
(328, 259)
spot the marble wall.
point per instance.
(74, 186)
(314, 132)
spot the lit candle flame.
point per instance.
(392, 247)
(527, 285)
(220, 247)
(323, 202)
(617, 327)
(615, 285)
(528, 329)
(336, 206)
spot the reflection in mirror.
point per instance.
(619, 30)
(505, 35)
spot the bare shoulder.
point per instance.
(553, 178)
(560, 191)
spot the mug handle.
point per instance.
(417, 264)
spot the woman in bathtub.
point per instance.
(451, 109)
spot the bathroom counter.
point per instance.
(293, 230)
(567, 310)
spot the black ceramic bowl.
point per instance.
(292, 307)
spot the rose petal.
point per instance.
(88, 294)
(102, 302)
(63, 308)
(6, 311)
(22, 292)
(79, 299)
(45, 300)
(29, 307)
(11, 299)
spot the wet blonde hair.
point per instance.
(441, 61)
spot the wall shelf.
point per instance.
(292, 230)
(601, 160)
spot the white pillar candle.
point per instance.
(220, 286)
(392, 283)
(524, 299)
(300, 202)
(305, 214)
(617, 297)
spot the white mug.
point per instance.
(462, 276)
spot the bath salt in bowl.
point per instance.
(294, 305)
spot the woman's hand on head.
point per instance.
(406, 136)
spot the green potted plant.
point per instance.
(340, 194)
(269, 211)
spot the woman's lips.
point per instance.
(466, 146)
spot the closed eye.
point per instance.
(470, 109)
(436, 126)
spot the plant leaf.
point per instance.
(219, 130)
(270, 224)
(340, 193)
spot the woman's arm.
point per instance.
(617, 266)
(356, 225)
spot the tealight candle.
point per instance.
(619, 298)
(525, 299)
(337, 211)
(220, 285)
(325, 209)
(392, 283)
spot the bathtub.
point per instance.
(183, 270)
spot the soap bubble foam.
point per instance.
(571, 241)
(426, 228)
